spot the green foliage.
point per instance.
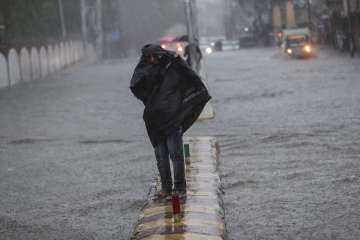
(138, 21)
(33, 20)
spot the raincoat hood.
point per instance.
(143, 69)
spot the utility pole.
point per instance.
(189, 25)
(100, 38)
(83, 22)
(308, 3)
(227, 17)
(62, 19)
(91, 25)
(190, 31)
(347, 8)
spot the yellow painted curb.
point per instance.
(183, 222)
(186, 236)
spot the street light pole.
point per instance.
(308, 2)
(62, 19)
(189, 25)
(83, 22)
(190, 31)
(350, 29)
(100, 38)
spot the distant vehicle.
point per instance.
(217, 45)
(228, 45)
(297, 42)
(174, 43)
(206, 48)
(207, 45)
(247, 38)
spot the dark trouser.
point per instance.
(172, 145)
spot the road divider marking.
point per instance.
(186, 236)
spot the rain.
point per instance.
(76, 161)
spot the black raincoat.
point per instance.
(173, 94)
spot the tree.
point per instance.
(36, 20)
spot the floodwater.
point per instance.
(289, 133)
(75, 161)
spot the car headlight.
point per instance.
(307, 48)
(208, 50)
(289, 51)
(179, 47)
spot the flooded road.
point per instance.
(75, 161)
(289, 132)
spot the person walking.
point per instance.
(197, 55)
(174, 97)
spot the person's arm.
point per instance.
(140, 92)
(138, 84)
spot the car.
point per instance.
(297, 42)
(212, 44)
(247, 38)
(207, 46)
(174, 43)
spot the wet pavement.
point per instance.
(75, 162)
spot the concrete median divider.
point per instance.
(14, 67)
(201, 211)
(35, 63)
(25, 65)
(57, 62)
(66, 54)
(51, 59)
(62, 55)
(44, 62)
(39, 62)
(4, 77)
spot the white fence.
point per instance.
(37, 63)
(3, 72)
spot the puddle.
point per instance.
(30, 141)
(103, 141)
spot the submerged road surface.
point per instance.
(289, 133)
(75, 162)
